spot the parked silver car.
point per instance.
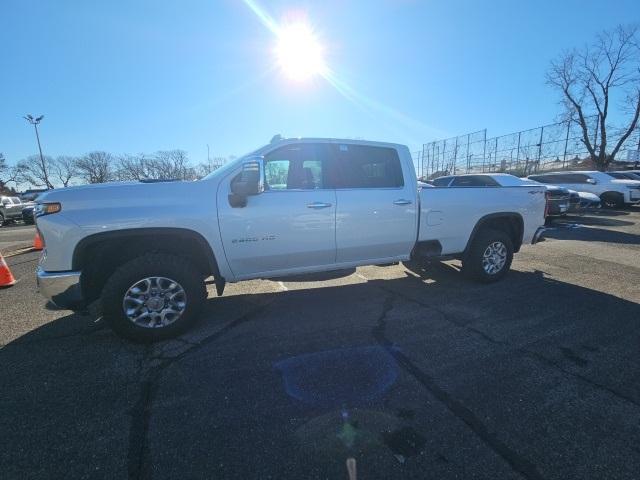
(10, 209)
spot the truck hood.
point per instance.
(126, 194)
(57, 194)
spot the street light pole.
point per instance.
(35, 122)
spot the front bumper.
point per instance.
(62, 288)
(538, 235)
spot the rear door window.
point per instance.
(541, 178)
(363, 166)
(576, 178)
(621, 176)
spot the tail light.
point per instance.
(547, 196)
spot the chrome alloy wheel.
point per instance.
(494, 258)
(154, 302)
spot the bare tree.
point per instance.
(592, 79)
(170, 164)
(4, 168)
(35, 171)
(163, 165)
(64, 169)
(8, 174)
(132, 167)
(95, 167)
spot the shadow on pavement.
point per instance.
(590, 220)
(591, 234)
(606, 212)
(318, 277)
(79, 402)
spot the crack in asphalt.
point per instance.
(530, 353)
(585, 379)
(552, 363)
(517, 462)
(138, 455)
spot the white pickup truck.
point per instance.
(143, 250)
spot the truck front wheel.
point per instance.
(153, 297)
(489, 257)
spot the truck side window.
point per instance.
(578, 178)
(442, 182)
(293, 167)
(276, 174)
(361, 166)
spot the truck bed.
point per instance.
(449, 215)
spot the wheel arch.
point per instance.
(619, 196)
(511, 223)
(97, 256)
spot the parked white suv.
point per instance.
(143, 250)
(613, 192)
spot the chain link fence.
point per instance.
(555, 146)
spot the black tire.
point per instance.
(472, 264)
(612, 200)
(1, 220)
(173, 267)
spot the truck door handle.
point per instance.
(318, 205)
(402, 201)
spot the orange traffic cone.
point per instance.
(6, 277)
(37, 242)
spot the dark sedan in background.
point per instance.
(28, 216)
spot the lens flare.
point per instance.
(299, 54)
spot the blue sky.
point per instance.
(145, 75)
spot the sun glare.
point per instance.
(299, 53)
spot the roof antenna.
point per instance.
(276, 138)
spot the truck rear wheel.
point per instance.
(489, 257)
(153, 297)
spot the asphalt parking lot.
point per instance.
(414, 373)
(14, 236)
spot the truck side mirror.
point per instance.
(248, 183)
